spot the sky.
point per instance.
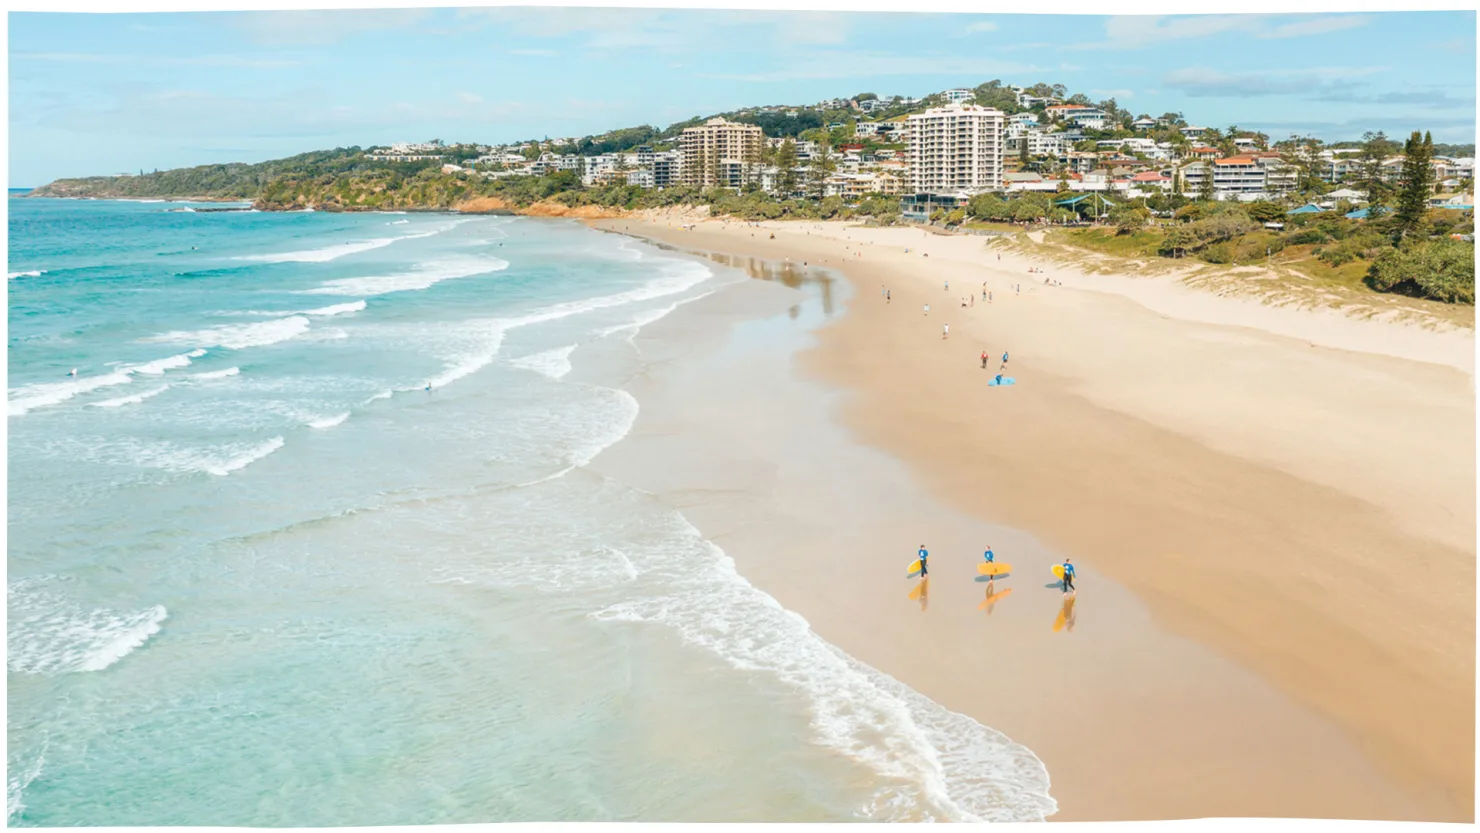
(98, 94)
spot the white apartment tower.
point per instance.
(722, 153)
(956, 148)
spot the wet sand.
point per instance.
(1328, 674)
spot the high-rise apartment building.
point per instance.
(956, 148)
(722, 153)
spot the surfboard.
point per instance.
(994, 568)
(913, 569)
(1058, 571)
(1006, 380)
(920, 589)
(993, 599)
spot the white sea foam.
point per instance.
(336, 309)
(676, 276)
(29, 398)
(328, 253)
(239, 336)
(217, 374)
(328, 421)
(613, 427)
(422, 276)
(471, 361)
(48, 634)
(398, 222)
(552, 363)
(33, 273)
(131, 400)
(17, 779)
(934, 764)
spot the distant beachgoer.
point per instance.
(945, 331)
(888, 296)
(428, 388)
(1068, 576)
(882, 290)
(984, 360)
(73, 372)
(1004, 358)
(924, 554)
(948, 286)
(988, 555)
(927, 309)
(999, 378)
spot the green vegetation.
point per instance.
(230, 181)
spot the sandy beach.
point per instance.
(1272, 510)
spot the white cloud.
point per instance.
(1201, 82)
(157, 60)
(843, 64)
(984, 26)
(315, 28)
(1317, 26)
(1138, 31)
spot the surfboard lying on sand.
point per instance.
(993, 568)
(913, 569)
(1006, 380)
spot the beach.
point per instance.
(1271, 512)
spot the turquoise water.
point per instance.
(259, 574)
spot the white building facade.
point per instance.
(956, 148)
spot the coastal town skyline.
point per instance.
(245, 98)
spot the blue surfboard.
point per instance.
(1006, 380)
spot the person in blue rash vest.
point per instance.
(988, 554)
(924, 554)
(1068, 576)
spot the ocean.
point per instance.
(310, 539)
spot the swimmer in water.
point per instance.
(73, 372)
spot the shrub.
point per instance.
(1217, 253)
(1440, 269)
(1307, 236)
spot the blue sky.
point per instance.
(101, 94)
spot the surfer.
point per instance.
(1068, 576)
(998, 380)
(428, 388)
(924, 554)
(988, 555)
(73, 372)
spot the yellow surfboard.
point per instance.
(913, 568)
(1058, 571)
(920, 589)
(995, 568)
(993, 599)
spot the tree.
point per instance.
(1416, 184)
(786, 168)
(1205, 191)
(819, 169)
(1023, 152)
(1265, 212)
(1376, 147)
(1440, 269)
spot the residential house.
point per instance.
(959, 96)
(1143, 124)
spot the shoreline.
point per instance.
(1239, 614)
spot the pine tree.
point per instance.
(786, 168)
(1416, 185)
(1205, 188)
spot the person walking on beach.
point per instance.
(1068, 576)
(988, 555)
(984, 360)
(1004, 359)
(948, 286)
(924, 554)
(945, 331)
(888, 296)
(927, 309)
